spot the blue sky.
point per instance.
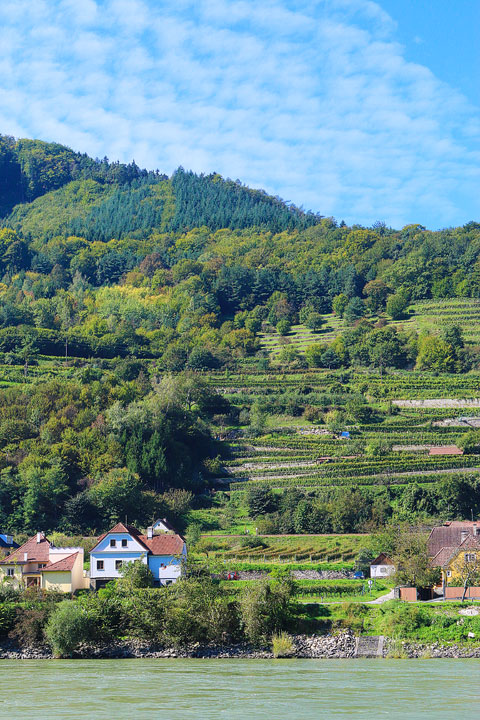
(358, 109)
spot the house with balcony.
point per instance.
(162, 549)
(38, 563)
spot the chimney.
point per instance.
(25, 557)
(39, 537)
(150, 532)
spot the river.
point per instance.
(238, 689)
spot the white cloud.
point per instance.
(314, 101)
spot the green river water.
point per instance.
(243, 689)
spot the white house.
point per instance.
(382, 566)
(162, 549)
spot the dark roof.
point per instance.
(449, 535)
(4, 544)
(36, 551)
(443, 556)
(167, 524)
(164, 544)
(382, 559)
(446, 554)
(64, 565)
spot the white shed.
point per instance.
(382, 566)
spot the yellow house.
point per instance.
(38, 563)
(456, 563)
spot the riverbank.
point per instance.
(339, 646)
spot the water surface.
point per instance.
(238, 689)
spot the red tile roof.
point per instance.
(36, 551)
(446, 450)
(164, 544)
(64, 565)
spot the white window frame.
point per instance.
(10, 572)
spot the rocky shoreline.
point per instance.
(340, 646)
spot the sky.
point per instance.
(358, 109)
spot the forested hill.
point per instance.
(46, 189)
(202, 265)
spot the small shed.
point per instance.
(382, 566)
(446, 450)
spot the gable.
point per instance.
(133, 544)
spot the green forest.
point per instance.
(154, 328)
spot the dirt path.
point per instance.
(381, 599)
(446, 471)
(439, 403)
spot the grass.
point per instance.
(282, 645)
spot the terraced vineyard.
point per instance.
(300, 337)
(464, 312)
(294, 453)
(423, 316)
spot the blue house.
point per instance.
(162, 549)
(7, 544)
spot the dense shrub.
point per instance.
(67, 627)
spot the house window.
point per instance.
(118, 564)
(383, 570)
(113, 543)
(124, 542)
(41, 565)
(99, 564)
(10, 572)
(470, 557)
(449, 573)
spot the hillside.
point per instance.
(163, 337)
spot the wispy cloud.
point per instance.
(314, 101)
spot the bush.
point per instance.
(9, 593)
(135, 575)
(29, 624)
(267, 607)
(68, 626)
(7, 618)
(313, 414)
(253, 542)
(282, 645)
(283, 327)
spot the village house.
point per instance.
(382, 566)
(460, 567)
(38, 563)
(451, 534)
(454, 547)
(162, 549)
